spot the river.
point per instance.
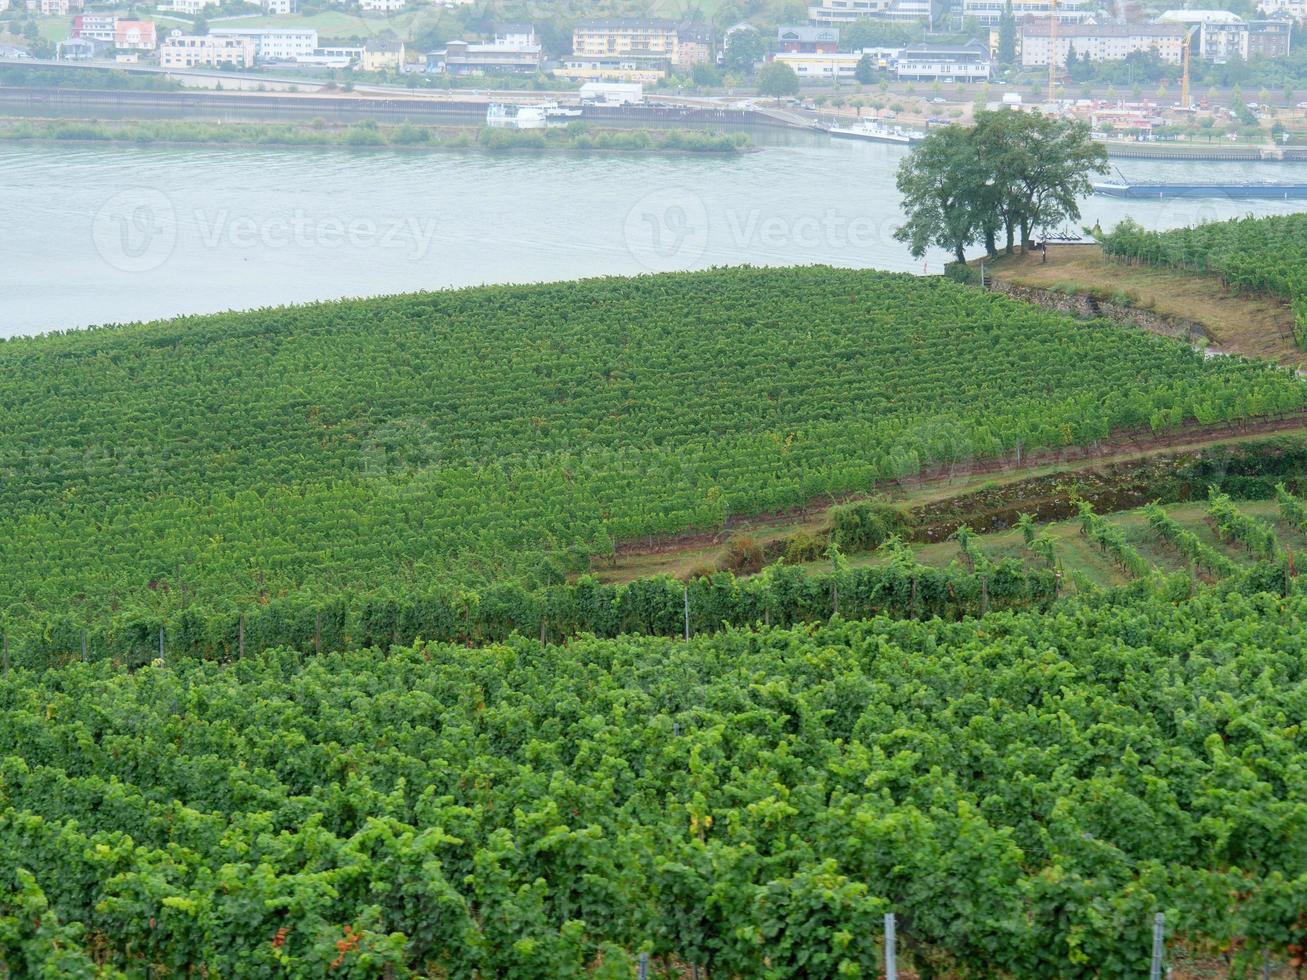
(100, 233)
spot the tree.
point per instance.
(1007, 35)
(866, 69)
(744, 49)
(705, 75)
(777, 80)
(938, 184)
(200, 26)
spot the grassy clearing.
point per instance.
(1258, 327)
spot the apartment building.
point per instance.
(135, 35)
(989, 11)
(1222, 36)
(1101, 42)
(206, 51)
(832, 13)
(968, 62)
(96, 27)
(274, 43)
(626, 37)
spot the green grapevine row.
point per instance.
(1024, 791)
(1251, 255)
(657, 606)
(1111, 540)
(514, 433)
(1257, 536)
(1202, 555)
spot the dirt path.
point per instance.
(678, 554)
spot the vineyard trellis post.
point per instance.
(891, 953)
(644, 966)
(1159, 933)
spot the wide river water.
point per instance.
(114, 233)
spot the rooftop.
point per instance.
(1040, 28)
(825, 34)
(1199, 17)
(626, 23)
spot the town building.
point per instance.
(1271, 38)
(512, 53)
(279, 6)
(990, 11)
(274, 43)
(97, 27)
(629, 38)
(205, 51)
(808, 40)
(189, 7)
(912, 11)
(1101, 42)
(135, 35)
(54, 8)
(968, 62)
(381, 6)
(1293, 9)
(646, 72)
(820, 66)
(694, 46)
(382, 54)
(1222, 35)
(832, 13)
(79, 49)
(334, 56)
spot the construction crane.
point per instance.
(1185, 48)
(1052, 50)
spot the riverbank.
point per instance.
(370, 134)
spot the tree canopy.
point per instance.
(778, 79)
(1011, 173)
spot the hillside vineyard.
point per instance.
(510, 433)
(1025, 791)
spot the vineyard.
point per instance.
(513, 435)
(1024, 791)
(1251, 255)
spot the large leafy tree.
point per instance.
(1007, 35)
(778, 79)
(1011, 173)
(744, 49)
(938, 182)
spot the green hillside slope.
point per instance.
(511, 433)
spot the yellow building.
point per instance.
(626, 37)
(382, 55)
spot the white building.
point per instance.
(279, 6)
(381, 6)
(205, 51)
(832, 13)
(990, 11)
(1297, 9)
(968, 62)
(613, 93)
(334, 56)
(1221, 34)
(274, 43)
(1102, 42)
(191, 7)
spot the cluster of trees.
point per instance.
(1004, 178)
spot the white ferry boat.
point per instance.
(877, 132)
(507, 116)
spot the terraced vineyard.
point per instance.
(510, 434)
(1251, 255)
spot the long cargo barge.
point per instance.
(1272, 190)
